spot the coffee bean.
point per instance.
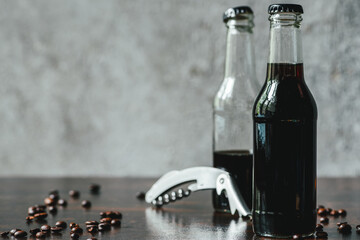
(329, 210)
(38, 206)
(344, 228)
(93, 238)
(334, 213)
(91, 223)
(62, 202)
(104, 227)
(342, 212)
(105, 220)
(61, 224)
(357, 229)
(297, 236)
(74, 236)
(34, 231)
(94, 188)
(45, 228)
(54, 197)
(29, 218)
(322, 212)
(31, 211)
(49, 201)
(72, 225)
(77, 230)
(74, 193)
(86, 204)
(339, 223)
(40, 235)
(319, 227)
(13, 231)
(52, 210)
(4, 234)
(140, 195)
(20, 234)
(321, 235)
(93, 229)
(103, 214)
(116, 222)
(40, 216)
(56, 229)
(55, 192)
(113, 214)
(324, 220)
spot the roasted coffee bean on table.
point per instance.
(54, 197)
(324, 220)
(74, 193)
(40, 235)
(86, 204)
(4, 234)
(77, 230)
(321, 234)
(29, 218)
(56, 229)
(334, 213)
(93, 238)
(319, 227)
(104, 227)
(91, 223)
(52, 209)
(20, 234)
(344, 228)
(45, 228)
(94, 188)
(342, 212)
(105, 220)
(62, 202)
(140, 195)
(92, 229)
(116, 222)
(72, 225)
(13, 231)
(61, 224)
(322, 212)
(74, 236)
(339, 223)
(49, 201)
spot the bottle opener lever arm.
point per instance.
(200, 178)
(236, 201)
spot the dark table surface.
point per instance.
(190, 218)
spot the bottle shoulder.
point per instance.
(236, 93)
(285, 99)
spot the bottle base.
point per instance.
(270, 235)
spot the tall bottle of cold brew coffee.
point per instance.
(232, 135)
(285, 116)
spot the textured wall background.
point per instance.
(125, 87)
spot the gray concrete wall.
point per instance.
(125, 87)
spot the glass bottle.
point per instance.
(285, 116)
(232, 123)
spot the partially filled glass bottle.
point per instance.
(285, 116)
(232, 135)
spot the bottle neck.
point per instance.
(239, 50)
(285, 38)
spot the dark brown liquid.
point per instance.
(285, 117)
(239, 164)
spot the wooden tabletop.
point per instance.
(190, 218)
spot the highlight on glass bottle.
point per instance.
(285, 118)
(232, 123)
